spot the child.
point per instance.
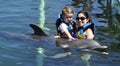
(65, 24)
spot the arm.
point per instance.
(63, 28)
(68, 34)
(89, 34)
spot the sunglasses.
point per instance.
(81, 18)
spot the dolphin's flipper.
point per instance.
(37, 30)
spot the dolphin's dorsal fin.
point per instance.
(37, 30)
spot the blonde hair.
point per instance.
(67, 10)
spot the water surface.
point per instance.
(17, 15)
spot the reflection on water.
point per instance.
(40, 57)
(113, 12)
(85, 58)
(15, 15)
(42, 15)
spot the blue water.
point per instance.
(16, 15)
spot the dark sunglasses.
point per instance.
(81, 18)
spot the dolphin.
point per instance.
(51, 43)
(89, 44)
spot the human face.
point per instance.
(81, 20)
(68, 18)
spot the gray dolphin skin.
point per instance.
(49, 42)
(79, 44)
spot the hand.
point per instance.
(57, 36)
(70, 39)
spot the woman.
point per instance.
(84, 25)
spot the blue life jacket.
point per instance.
(61, 20)
(80, 33)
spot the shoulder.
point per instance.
(89, 27)
(63, 24)
(58, 22)
(89, 33)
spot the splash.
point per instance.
(42, 15)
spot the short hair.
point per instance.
(67, 10)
